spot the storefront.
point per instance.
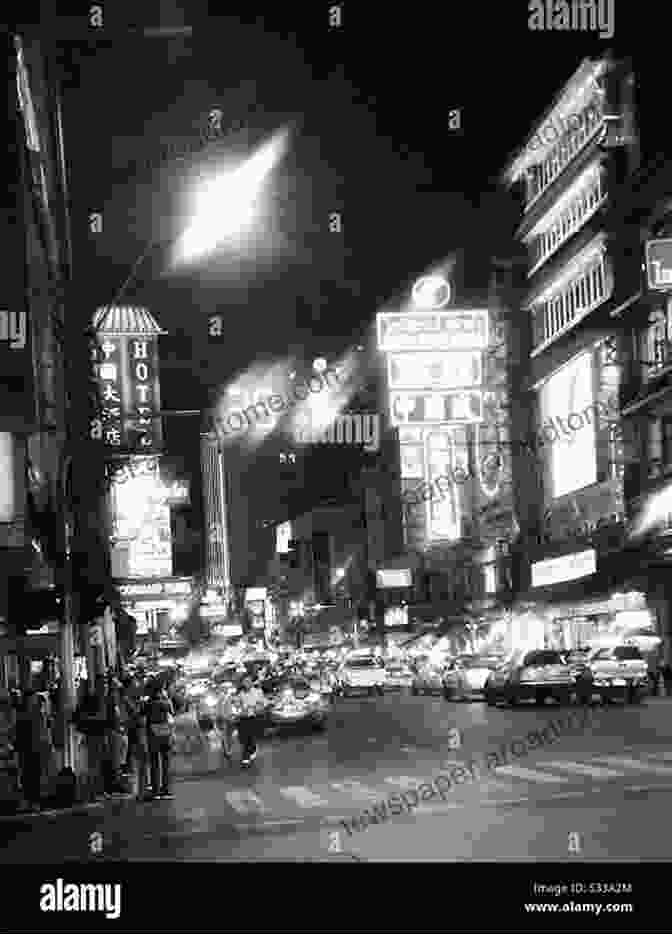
(583, 599)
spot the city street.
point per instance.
(596, 794)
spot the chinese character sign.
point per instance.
(129, 391)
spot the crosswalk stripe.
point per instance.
(244, 801)
(532, 775)
(304, 796)
(597, 772)
(658, 756)
(356, 789)
(639, 765)
(406, 782)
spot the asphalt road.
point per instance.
(595, 788)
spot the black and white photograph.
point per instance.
(292, 569)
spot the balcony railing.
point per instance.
(581, 208)
(565, 151)
(559, 313)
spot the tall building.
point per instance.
(574, 573)
(216, 508)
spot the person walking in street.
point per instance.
(225, 718)
(251, 701)
(160, 720)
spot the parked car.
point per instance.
(399, 676)
(294, 704)
(361, 671)
(616, 672)
(428, 679)
(535, 675)
(465, 677)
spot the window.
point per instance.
(543, 658)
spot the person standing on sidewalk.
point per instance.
(160, 721)
(32, 740)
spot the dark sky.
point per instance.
(370, 106)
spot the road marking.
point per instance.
(244, 801)
(304, 796)
(597, 772)
(405, 782)
(520, 772)
(639, 765)
(356, 789)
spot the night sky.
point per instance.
(369, 104)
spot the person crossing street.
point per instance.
(251, 701)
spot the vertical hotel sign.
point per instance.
(128, 375)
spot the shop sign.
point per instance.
(433, 331)
(394, 578)
(431, 292)
(227, 629)
(436, 408)
(210, 611)
(428, 370)
(659, 264)
(396, 616)
(128, 377)
(141, 589)
(255, 594)
(564, 568)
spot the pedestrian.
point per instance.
(226, 722)
(251, 702)
(90, 719)
(160, 721)
(33, 743)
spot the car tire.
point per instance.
(490, 699)
(371, 691)
(381, 690)
(414, 689)
(513, 700)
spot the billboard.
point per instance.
(659, 264)
(128, 377)
(427, 408)
(142, 540)
(437, 331)
(429, 370)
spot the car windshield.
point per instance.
(361, 663)
(543, 658)
(622, 653)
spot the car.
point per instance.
(295, 704)
(399, 676)
(361, 671)
(465, 678)
(531, 675)
(428, 678)
(616, 672)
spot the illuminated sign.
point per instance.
(255, 594)
(444, 455)
(433, 331)
(428, 370)
(659, 264)
(140, 589)
(396, 616)
(431, 292)
(412, 461)
(142, 536)
(129, 390)
(394, 578)
(283, 535)
(564, 568)
(7, 478)
(411, 435)
(210, 611)
(428, 408)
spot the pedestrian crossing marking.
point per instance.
(356, 789)
(639, 765)
(532, 775)
(244, 801)
(597, 772)
(304, 796)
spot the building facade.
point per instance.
(574, 579)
